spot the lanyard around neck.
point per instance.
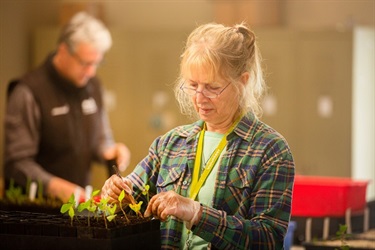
(197, 182)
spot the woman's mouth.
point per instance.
(204, 111)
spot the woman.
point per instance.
(225, 181)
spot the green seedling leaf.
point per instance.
(83, 206)
(112, 210)
(121, 196)
(146, 193)
(64, 208)
(71, 213)
(145, 190)
(111, 217)
(136, 207)
(95, 193)
(69, 207)
(92, 208)
(342, 230)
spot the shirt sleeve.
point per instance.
(22, 124)
(106, 139)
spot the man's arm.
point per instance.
(22, 124)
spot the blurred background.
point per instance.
(318, 59)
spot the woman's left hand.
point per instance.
(170, 203)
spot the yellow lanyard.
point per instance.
(197, 182)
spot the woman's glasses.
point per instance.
(208, 91)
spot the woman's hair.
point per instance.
(85, 28)
(225, 52)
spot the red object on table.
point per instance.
(95, 198)
(316, 196)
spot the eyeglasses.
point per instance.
(208, 92)
(84, 63)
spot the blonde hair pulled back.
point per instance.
(228, 53)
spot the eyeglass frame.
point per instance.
(84, 64)
(196, 91)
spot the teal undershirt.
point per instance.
(205, 195)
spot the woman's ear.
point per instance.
(245, 78)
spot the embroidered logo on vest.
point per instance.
(89, 106)
(62, 110)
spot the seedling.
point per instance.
(94, 206)
(120, 198)
(14, 194)
(136, 208)
(90, 206)
(343, 236)
(146, 193)
(69, 207)
(101, 208)
(108, 211)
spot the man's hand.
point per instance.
(119, 152)
(63, 189)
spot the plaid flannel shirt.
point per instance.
(253, 189)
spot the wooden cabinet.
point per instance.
(322, 83)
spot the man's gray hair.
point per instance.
(83, 27)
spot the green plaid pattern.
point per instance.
(253, 190)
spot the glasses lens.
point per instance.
(209, 94)
(189, 91)
(205, 92)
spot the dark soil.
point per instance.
(27, 230)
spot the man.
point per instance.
(56, 125)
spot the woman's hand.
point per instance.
(170, 203)
(112, 189)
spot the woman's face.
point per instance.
(218, 113)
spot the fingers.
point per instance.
(158, 210)
(63, 189)
(121, 153)
(128, 185)
(107, 192)
(162, 205)
(114, 185)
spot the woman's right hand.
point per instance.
(112, 189)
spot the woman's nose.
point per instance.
(200, 96)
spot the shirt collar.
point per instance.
(245, 128)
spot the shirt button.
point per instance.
(184, 183)
(176, 239)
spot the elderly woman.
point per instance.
(225, 181)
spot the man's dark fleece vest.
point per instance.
(70, 123)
